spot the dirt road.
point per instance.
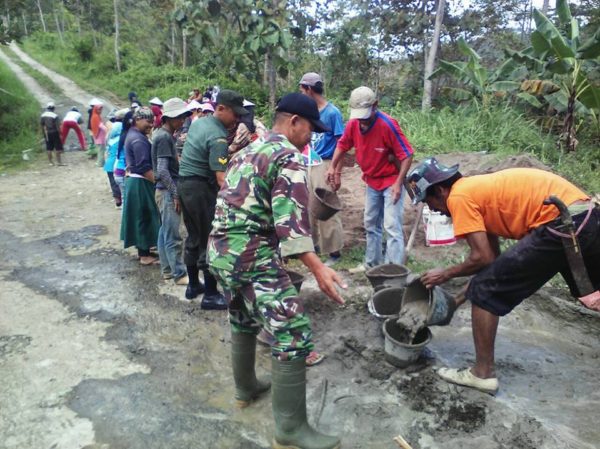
(97, 352)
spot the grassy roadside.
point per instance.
(49, 85)
(19, 115)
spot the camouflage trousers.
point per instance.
(267, 299)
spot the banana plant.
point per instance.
(559, 65)
(478, 81)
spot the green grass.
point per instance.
(45, 82)
(500, 129)
(94, 70)
(19, 115)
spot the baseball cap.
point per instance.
(50, 105)
(304, 106)
(361, 103)
(207, 107)
(311, 79)
(232, 99)
(143, 113)
(174, 107)
(428, 173)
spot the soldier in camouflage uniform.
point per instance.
(262, 215)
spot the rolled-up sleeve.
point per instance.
(289, 202)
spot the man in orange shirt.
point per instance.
(508, 204)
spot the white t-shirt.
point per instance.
(72, 116)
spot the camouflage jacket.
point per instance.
(262, 208)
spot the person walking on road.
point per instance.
(201, 172)
(50, 122)
(141, 219)
(99, 132)
(72, 121)
(384, 155)
(508, 204)
(262, 214)
(328, 236)
(165, 162)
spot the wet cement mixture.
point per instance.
(98, 352)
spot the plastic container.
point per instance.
(328, 205)
(437, 306)
(385, 303)
(389, 274)
(438, 228)
(402, 354)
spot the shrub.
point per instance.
(19, 115)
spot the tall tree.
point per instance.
(42, 21)
(431, 55)
(117, 54)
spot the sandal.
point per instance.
(149, 260)
(314, 358)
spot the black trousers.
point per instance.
(114, 187)
(198, 198)
(525, 267)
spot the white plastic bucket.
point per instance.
(438, 228)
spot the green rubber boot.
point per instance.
(243, 356)
(292, 430)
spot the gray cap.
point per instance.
(361, 102)
(174, 107)
(50, 105)
(311, 79)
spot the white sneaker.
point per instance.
(466, 378)
(360, 268)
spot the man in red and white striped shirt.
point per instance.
(384, 156)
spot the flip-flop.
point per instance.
(153, 261)
(314, 358)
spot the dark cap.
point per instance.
(426, 174)
(232, 99)
(304, 106)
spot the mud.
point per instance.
(97, 352)
(410, 321)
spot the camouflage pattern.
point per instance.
(262, 215)
(268, 300)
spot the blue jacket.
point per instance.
(111, 147)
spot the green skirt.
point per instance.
(141, 220)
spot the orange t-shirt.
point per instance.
(508, 203)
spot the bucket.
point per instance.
(438, 228)
(402, 354)
(296, 278)
(437, 306)
(328, 205)
(385, 303)
(388, 274)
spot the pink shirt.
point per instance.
(373, 147)
(100, 138)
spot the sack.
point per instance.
(438, 228)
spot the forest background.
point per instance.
(502, 76)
